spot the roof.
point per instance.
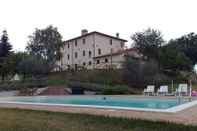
(117, 53)
(95, 32)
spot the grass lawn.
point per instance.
(28, 120)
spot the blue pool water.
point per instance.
(109, 101)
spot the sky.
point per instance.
(172, 17)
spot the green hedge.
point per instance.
(56, 82)
(98, 88)
(86, 86)
(115, 90)
(102, 89)
(108, 77)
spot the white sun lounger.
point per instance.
(163, 90)
(182, 89)
(150, 90)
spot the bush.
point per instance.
(86, 86)
(91, 76)
(115, 90)
(18, 85)
(101, 89)
(56, 82)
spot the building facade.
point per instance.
(115, 60)
(92, 50)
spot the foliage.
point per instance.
(86, 86)
(5, 50)
(186, 44)
(16, 58)
(148, 42)
(5, 46)
(172, 59)
(46, 44)
(139, 73)
(33, 66)
(10, 63)
(18, 85)
(56, 82)
(31, 120)
(176, 56)
(115, 90)
(6, 67)
(100, 88)
(90, 76)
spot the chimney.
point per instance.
(84, 31)
(117, 35)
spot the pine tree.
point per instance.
(5, 51)
(5, 46)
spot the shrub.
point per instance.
(18, 85)
(91, 76)
(102, 89)
(115, 90)
(56, 82)
(86, 86)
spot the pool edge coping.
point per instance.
(174, 109)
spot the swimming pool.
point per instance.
(112, 102)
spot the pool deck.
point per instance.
(187, 116)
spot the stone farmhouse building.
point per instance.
(94, 50)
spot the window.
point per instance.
(110, 41)
(76, 54)
(68, 56)
(98, 62)
(68, 45)
(89, 63)
(84, 63)
(84, 40)
(90, 53)
(84, 53)
(121, 44)
(75, 42)
(99, 51)
(106, 60)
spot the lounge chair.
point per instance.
(163, 90)
(150, 90)
(182, 89)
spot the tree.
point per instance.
(5, 46)
(174, 60)
(148, 43)
(139, 73)
(16, 58)
(186, 44)
(46, 44)
(5, 68)
(33, 66)
(5, 51)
